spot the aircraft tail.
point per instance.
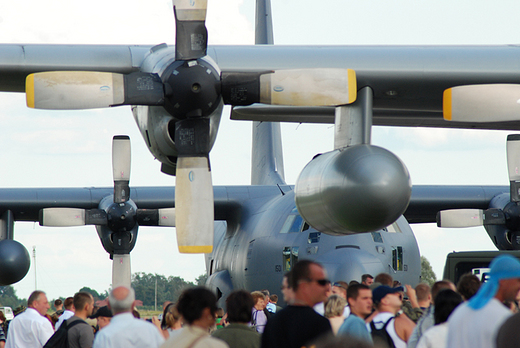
(267, 155)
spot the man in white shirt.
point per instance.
(68, 313)
(31, 329)
(125, 331)
(476, 323)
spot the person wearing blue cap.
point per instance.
(476, 323)
(388, 302)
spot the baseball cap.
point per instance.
(383, 290)
(102, 312)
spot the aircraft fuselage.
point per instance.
(255, 251)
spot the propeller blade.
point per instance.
(167, 216)
(194, 205)
(482, 103)
(121, 270)
(156, 217)
(58, 217)
(71, 90)
(297, 87)
(456, 218)
(513, 165)
(191, 36)
(121, 161)
(64, 217)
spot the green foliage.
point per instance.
(8, 297)
(93, 292)
(168, 289)
(201, 280)
(427, 274)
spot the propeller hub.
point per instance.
(195, 88)
(121, 217)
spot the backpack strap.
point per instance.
(373, 326)
(387, 322)
(390, 340)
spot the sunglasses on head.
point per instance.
(339, 285)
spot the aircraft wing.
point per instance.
(427, 200)
(26, 203)
(408, 81)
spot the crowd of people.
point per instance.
(372, 312)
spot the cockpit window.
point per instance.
(376, 237)
(293, 224)
(314, 237)
(394, 228)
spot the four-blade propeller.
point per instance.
(191, 88)
(507, 215)
(117, 218)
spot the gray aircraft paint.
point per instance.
(407, 81)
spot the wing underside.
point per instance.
(408, 83)
(427, 200)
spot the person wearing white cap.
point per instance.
(475, 323)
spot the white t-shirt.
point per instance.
(434, 337)
(472, 328)
(66, 315)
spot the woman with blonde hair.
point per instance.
(334, 307)
(171, 320)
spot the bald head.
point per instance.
(121, 299)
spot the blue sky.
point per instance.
(72, 149)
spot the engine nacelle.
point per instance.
(158, 130)
(157, 123)
(505, 237)
(362, 188)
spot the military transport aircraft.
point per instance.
(407, 87)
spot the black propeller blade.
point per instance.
(191, 35)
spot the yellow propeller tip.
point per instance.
(352, 86)
(195, 249)
(29, 90)
(447, 104)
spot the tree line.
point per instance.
(168, 289)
